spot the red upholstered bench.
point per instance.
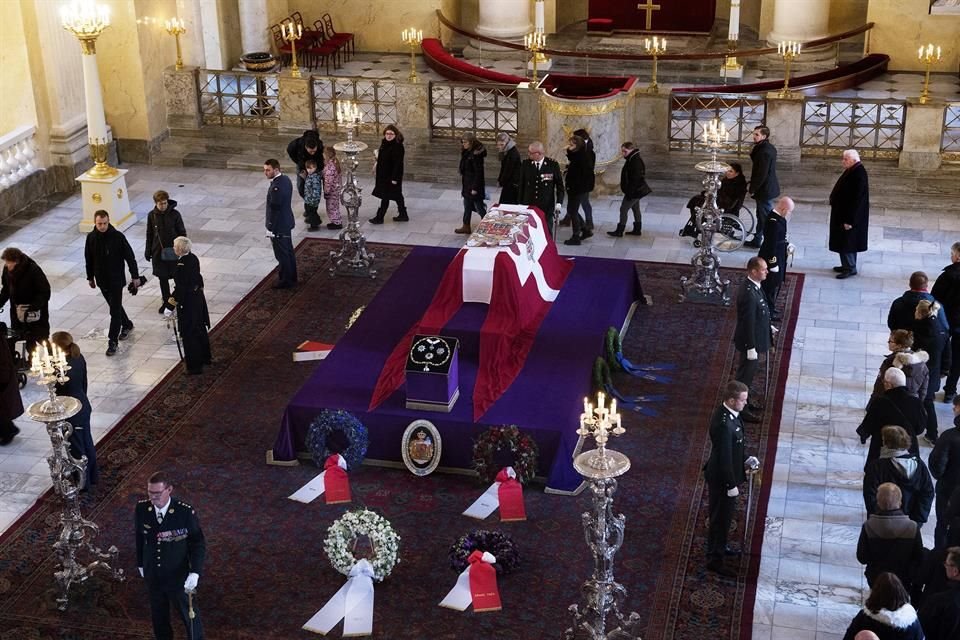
(599, 26)
(441, 61)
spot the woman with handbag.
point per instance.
(26, 288)
(164, 224)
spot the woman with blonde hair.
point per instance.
(81, 440)
(193, 319)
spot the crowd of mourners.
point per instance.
(914, 591)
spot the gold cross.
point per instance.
(649, 8)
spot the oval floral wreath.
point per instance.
(612, 348)
(343, 534)
(509, 437)
(499, 544)
(347, 424)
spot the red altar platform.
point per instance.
(654, 16)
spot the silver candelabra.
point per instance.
(601, 618)
(69, 476)
(352, 258)
(706, 285)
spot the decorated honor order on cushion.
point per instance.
(432, 373)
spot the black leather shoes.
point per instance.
(839, 269)
(843, 275)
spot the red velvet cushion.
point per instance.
(446, 65)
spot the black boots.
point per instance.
(618, 233)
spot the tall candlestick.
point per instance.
(540, 22)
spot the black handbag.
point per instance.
(167, 254)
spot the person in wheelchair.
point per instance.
(730, 197)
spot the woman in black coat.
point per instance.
(733, 189)
(930, 336)
(509, 177)
(27, 290)
(81, 440)
(164, 224)
(389, 175)
(887, 612)
(11, 405)
(592, 180)
(579, 183)
(193, 319)
(472, 180)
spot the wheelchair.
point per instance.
(21, 359)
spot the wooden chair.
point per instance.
(321, 52)
(341, 39)
(284, 50)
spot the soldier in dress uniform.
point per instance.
(170, 554)
(774, 251)
(724, 471)
(541, 183)
(752, 335)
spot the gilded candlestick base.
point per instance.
(99, 149)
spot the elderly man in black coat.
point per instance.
(889, 539)
(752, 335)
(541, 183)
(763, 186)
(849, 214)
(895, 406)
(509, 176)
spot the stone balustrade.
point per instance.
(18, 156)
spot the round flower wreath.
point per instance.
(509, 437)
(601, 374)
(346, 423)
(612, 347)
(499, 544)
(343, 534)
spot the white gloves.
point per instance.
(140, 569)
(733, 493)
(558, 208)
(751, 463)
(190, 584)
(751, 354)
(774, 270)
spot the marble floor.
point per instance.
(810, 582)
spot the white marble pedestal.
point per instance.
(107, 193)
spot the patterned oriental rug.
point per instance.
(266, 573)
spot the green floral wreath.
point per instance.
(613, 347)
(343, 534)
(601, 374)
(494, 439)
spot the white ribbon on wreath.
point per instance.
(353, 604)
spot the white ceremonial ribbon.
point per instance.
(353, 604)
(315, 488)
(460, 597)
(489, 500)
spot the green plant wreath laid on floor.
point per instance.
(613, 347)
(601, 375)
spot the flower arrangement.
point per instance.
(499, 544)
(612, 348)
(342, 537)
(349, 428)
(509, 437)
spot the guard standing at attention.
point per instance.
(170, 555)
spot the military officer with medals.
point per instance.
(170, 555)
(541, 183)
(752, 335)
(724, 471)
(774, 251)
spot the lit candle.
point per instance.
(663, 44)
(600, 399)
(613, 407)
(540, 20)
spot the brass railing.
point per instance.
(480, 108)
(239, 98)
(377, 100)
(950, 141)
(690, 112)
(872, 127)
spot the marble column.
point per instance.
(194, 54)
(922, 135)
(785, 120)
(254, 23)
(296, 109)
(504, 19)
(800, 20)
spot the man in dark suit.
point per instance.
(725, 470)
(774, 251)
(764, 186)
(541, 183)
(633, 184)
(752, 334)
(105, 253)
(279, 223)
(170, 554)
(849, 214)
